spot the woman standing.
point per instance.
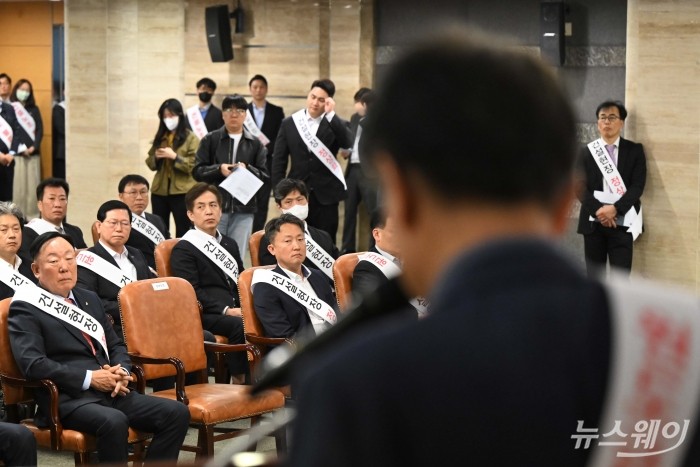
(172, 158)
(27, 159)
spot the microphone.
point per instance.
(385, 300)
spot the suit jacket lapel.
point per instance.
(622, 156)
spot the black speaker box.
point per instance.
(218, 25)
(552, 32)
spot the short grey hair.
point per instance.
(10, 208)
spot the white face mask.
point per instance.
(22, 95)
(171, 122)
(299, 210)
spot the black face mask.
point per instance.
(205, 96)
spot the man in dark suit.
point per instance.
(210, 114)
(11, 220)
(325, 187)
(280, 314)
(17, 445)
(367, 277)
(216, 290)
(58, 143)
(52, 200)
(89, 364)
(223, 151)
(9, 126)
(518, 343)
(133, 190)
(601, 222)
(114, 227)
(292, 197)
(268, 117)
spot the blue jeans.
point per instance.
(238, 226)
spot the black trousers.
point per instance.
(232, 328)
(7, 176)
(163, 206)
(17, 445)
(323, 216)
(359, 190)
(607, 244)
(263, 199)
(110, 420)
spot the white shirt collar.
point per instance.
(218, 234)
(114, 254)
(15, 266)
(388, 255)
(306, 272)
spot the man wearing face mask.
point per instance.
(292, 197)
(204, 117)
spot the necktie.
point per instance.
(611, 151)
(85, 335)
(61, 231)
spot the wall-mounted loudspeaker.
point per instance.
(218, 25)
(552, 32)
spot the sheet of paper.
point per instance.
(242, 184)
(604, 197)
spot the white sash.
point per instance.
(317, 147)
(252, 127)
(318, 255)
(313, 304)
(5, 131)
(143, 226)
(12, 278)
(613, 179)
(655, 361)
(391, 270)
(41, 226)
(25, 119)
(214, 252)
(64, 311)
(103, 268)
(196, 122)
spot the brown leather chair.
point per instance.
(95, 234)
(18, 390)
(162, 254)
(254, 247)
(343, 268)
(169, 344)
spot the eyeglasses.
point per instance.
(610, 118)
(135, 193)
(232, 110)
(112, 224)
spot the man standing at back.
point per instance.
(615, 171)
(267, 118)
(9, 127)
(518, 343)
(311, 138)
(204, 117)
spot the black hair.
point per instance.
(198, 190)
(377, 219)
(38, 243)
(5, 75)
(325, 84)
(235, 101)
(30, 102)
(181, 132)
(111, 205)
(506, 135)
(257, 78)
(288, 185)
(51, 182)
(360, 92)
(208, 82)
(273, 226)
(611, 103)
(368, 98)
(132, 178)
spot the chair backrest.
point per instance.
(254, 247)
(8, 367)
(162, 255)
(95, 233)
(343, 268)
(251, 323)
(161, 319)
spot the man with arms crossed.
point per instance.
(81, 353)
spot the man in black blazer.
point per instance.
(11, 220)
(133, 190)
(213, 119)
(280, 314)
(326, 190)
(52, 200)
(604, 235)
(91, 368)
(7, 158)
(268, 117)
(216, 291)
(114, 227)
(367, 277)
(292, 197)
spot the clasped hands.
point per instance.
(165, 153)
(112, 379)
(606, 215)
